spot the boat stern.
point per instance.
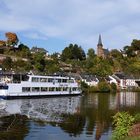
(3, 91)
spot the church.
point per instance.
(101, 52)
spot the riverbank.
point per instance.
(104, 87)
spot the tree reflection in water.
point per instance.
(13, 127)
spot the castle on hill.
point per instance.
(101, 51)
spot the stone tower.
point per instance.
(100, 51)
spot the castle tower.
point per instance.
(100, 51)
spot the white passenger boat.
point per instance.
(19, 86)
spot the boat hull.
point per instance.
(37, 96)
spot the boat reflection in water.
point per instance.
(72, 118)
(48, 109)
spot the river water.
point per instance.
(87, 117)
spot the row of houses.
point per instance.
(123, 81)
(120, 79)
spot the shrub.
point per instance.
(123, 122)
(113, 87)
(103, 86)
(84, 87)
(93, 89)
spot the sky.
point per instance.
(54, 24)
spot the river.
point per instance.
(86, 117)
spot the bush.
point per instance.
(113, 87)
(123, 122)
(103, 87)
(93, 89)
(84, 87)
(137, 118)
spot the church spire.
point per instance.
(100, 41)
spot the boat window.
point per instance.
(35, 79)
(65, 88)
(3, 86)
(43, 80)
(58, 88)
(25, 78)
(35, 89)
(64, 80)
(50, 80)
(59, 80)
(26, 89)
(51, 88)
(71, 81)
(44, 88)
(74, 88)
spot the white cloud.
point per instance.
(75, 20)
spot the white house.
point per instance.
(90, 80)
(124, 81)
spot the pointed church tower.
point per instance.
(100, 41)
(100, 51)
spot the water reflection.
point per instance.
(48, 109)
(82, 117)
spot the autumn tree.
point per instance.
(2, 43)
(12, 39)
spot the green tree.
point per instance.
(115, 54)
(51, 66)
(38, 62)
(103, 86)
(21, 66)
(90, 53)
(73, 52)
(7, 63)
(24, 51)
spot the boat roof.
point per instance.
(51, 76)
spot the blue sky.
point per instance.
(54, 24)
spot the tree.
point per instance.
(12, 39)
(136, 45)
(115, 54)
(129, 51)
(73, 52)
(7, 63)
(2, 43)
(24, 51)
(39, 62)
(91, 53)
(21, 66)
(134, 49)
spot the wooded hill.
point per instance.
(72, 59)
